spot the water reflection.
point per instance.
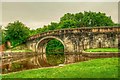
(31, 62)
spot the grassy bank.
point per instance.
(96, 68)
(19, 48)
(103, 50)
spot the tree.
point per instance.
(53, 26)
(92, 19)
(2, 35)
(78, 19)
(16, 33)
(85, 19)
(33, 32)
(67, 24)
(67, 16)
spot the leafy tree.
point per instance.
(67, 16)
(67, 21)
(44, 29)
(91, 19)
(78, 19)
(53, 26)
(16, 33)
(32, 32)
(86, 19)
(67, 24)
(2, 35)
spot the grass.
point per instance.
(96, 68)
(102, 50)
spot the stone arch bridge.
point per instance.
(76, 40)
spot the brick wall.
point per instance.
(2, 47)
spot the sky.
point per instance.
(38, 14)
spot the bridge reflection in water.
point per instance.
(12, 62)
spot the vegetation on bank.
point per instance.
(96, 68)
(16, 33)
(19, 48)
(102, 50)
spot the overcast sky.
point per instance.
(37, 14)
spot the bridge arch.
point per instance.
(45, 40)
(41, 48)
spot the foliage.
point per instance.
(53, 26)
(117, 24)
(45, 28)
(67, 24)
(96, 68)
(88, 19)
(33, 32)
(16, 33)
(54, 46)
(2, 36)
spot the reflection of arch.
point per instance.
(44, 40)
(41, 49)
